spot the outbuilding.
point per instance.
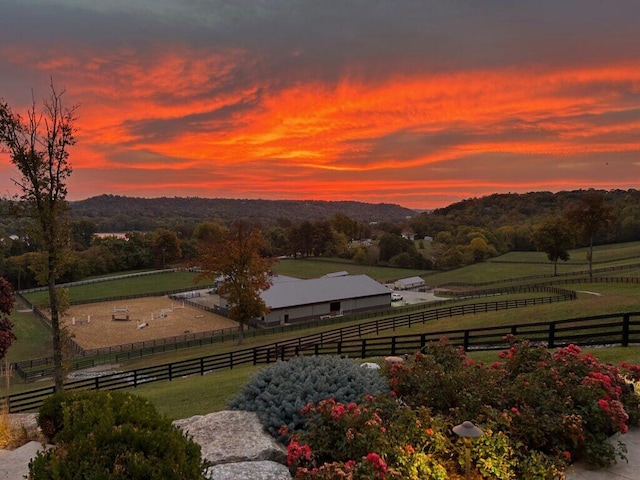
(411, 283)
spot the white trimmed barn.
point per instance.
(295, 300)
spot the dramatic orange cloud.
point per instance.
(208, 112)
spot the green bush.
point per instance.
(51, 415)
(113, 435)
(278, 393)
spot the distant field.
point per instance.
(522, 264)
(316, 267)
(33, 338)
(602, 254)
(162, 282)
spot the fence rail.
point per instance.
(551, 278)
(30, 370)
(611, 329)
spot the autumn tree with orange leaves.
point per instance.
(234, 260)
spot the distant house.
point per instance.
(411, 283)
(303, 300)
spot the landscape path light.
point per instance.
(467, 431)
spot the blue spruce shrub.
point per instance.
(278, 393)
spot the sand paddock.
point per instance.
(103, 331)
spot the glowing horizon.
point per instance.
(268, 110)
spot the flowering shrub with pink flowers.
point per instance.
(539, 410)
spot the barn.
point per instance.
(295, 300)
(411, 283)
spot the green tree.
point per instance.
(590, 217)
(166, 247)
(82, 232)
(479, 249)
(554, 237)
(235, 260)
(392, 244)
(39, 149)
(6, 327)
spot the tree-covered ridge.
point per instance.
(497, 210)
(515, 214)
(113, 213)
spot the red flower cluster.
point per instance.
(598, 378)
(297, 452)
(378, 463)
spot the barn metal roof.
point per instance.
(320, 290)
(411, 281)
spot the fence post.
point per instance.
(552, 335)
(170, 372)
(423, 341)
(393, 345)
(255, 356)
(135, 378)
(201, 366)
(363, 352)
(626, 318)
(466, 340)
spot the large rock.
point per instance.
(14, 464)
(262, 470)
(232, 437)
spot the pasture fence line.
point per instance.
(29, 370)
(103, 279)
(552, 278)
(524, 262)
(609, 329)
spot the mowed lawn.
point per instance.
(162, 282)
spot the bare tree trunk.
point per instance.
(590, 256)
(58, 376)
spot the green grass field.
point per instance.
(197, 395)
(316, 267)
(162, 282)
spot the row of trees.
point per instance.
(339, 236)
(556, 235)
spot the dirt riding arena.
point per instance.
(106, 324)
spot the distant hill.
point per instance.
(113, 213)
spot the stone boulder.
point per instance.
(233, 437)
(262, 470)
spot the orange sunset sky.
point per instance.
(415, 102)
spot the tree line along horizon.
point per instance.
(464, 233)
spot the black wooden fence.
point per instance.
(612, 329)
(30, 370)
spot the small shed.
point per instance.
(411, 283)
